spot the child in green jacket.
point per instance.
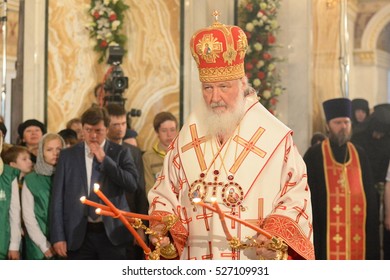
(10, 213)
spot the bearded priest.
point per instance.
(232, 157)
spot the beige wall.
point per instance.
(151, 63)
(308, 36)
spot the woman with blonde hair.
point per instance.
(36, 197)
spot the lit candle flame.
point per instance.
(196, 200)
(98, 211)
(82, 199)
(96, 187)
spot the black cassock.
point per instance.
(316, 180)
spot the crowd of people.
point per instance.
(44, 175)
(232, 176)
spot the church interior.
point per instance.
(325, 49)
(63, 57)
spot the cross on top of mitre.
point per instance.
(216, 14)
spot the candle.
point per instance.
(128, 214)
(122, 218)
(217, 209)
(100, 211)
(93, 204)
(255, 228)
(221, 218)
(201, 203)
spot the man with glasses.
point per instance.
(76, 231)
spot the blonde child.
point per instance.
(36, 197)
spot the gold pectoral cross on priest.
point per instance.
(342, 178)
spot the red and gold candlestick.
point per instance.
(135, 219)
(276, 243)
(255, 228)
(120, 216)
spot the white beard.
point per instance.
(223, 124)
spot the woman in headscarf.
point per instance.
(360, 114)
(36, 197)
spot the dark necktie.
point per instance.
(95, 174)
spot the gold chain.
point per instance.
(224, 155)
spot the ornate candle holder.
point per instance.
(276, 243)
(133, 221)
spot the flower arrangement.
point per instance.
(258, 20)
(106, 23)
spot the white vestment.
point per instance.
(257, 175)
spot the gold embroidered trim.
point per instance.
(221, 73)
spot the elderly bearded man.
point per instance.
(232, 147)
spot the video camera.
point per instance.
(116, 83)
(131, 114)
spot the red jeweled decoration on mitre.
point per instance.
(219, 51)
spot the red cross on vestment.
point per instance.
(249, 146)
(301, 212)
(189, 254)
(156, 201)
(196, 141)
(233, 254)
(260, 208)
(186, 220)
(232, 222)
(206, 217)
(208, 256)
(288, 184)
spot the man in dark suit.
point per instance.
(76, 232)
(137, 201)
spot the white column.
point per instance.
(34, 60)
(295, 106)
(10, 71)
